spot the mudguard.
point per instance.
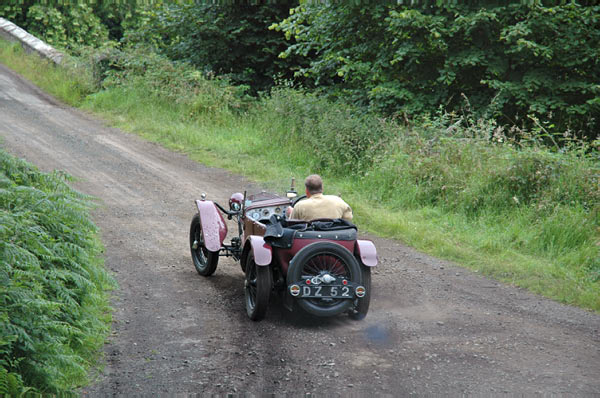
(261, 250)
(214, 229)
(367, 252)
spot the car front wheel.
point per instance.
(204, 260)
(257, 289)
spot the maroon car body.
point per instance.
(319, 265)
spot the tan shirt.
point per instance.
(322, 206)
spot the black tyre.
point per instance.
(361, 305)
(320, 257)
(257, 289)
(204, 260)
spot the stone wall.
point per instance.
(12, 32)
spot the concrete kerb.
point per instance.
(12, 32)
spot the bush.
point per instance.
(510, 61)
(230, 40)
(64, 26)
(70, 25)
(479, 173)
(53, 306)
(339, 138)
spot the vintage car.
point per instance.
(318, 265)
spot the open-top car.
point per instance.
(319, 265)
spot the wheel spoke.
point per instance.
(322, 262)
(327, 263)
(338, 268)
(310, 268)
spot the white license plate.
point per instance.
(326, 291)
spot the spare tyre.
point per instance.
(322, 258)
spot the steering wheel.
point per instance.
(297, 199)
(294, 201)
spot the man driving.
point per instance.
(316, 205)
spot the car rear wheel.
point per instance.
(204, 260)
(322, 258)
(257, 289)
(361, 305)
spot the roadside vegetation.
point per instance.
(54, 313)
(484, 158)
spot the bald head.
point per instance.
(313, 184)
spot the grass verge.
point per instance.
(71, 85)
(515, 211)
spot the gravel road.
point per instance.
(432, 328)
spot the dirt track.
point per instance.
(432, 327)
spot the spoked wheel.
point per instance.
(204, 260)
(361, 305)
(258, 285)
(320, 259)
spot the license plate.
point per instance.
(326, 291)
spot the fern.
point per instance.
(53, 300)
(11, 384)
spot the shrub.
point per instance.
(340, 138)
(230, 40)
(64, 26)
(511, 61)
(53, 307)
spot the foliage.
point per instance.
(10, 383)
(64, 26)
(53, 306)
(340, 139)
(117, 17)
(70, 25)
(172, 81)
(510, 61)
(229, 40)
(479, 168)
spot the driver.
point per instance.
(316, 205)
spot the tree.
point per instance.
(507, 61)
(229, 40)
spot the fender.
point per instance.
(261, 250)
(367, 252)
(214, 229)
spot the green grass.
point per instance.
(69, 85)
(519, 213)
